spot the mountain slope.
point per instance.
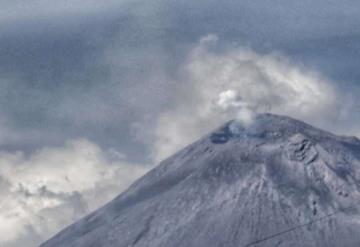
(277, 182)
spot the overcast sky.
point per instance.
(103, 90)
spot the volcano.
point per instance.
(276, 182)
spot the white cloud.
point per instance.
(218, 86)
(55, 186)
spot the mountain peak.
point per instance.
(272, 126)
(262, 126)
(237, 186)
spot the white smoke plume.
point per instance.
(230, 99)
(239, 83)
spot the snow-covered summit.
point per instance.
(275, 182)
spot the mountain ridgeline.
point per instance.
(277, 182)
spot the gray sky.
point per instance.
(126, 83)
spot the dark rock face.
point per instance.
(277, 182)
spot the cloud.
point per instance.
(53, 187)
(15, 11)
(216, 86)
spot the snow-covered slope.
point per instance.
(278, 182)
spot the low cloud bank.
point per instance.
(53, 187)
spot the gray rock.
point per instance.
(278, 182)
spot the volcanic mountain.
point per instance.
(276, 182)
